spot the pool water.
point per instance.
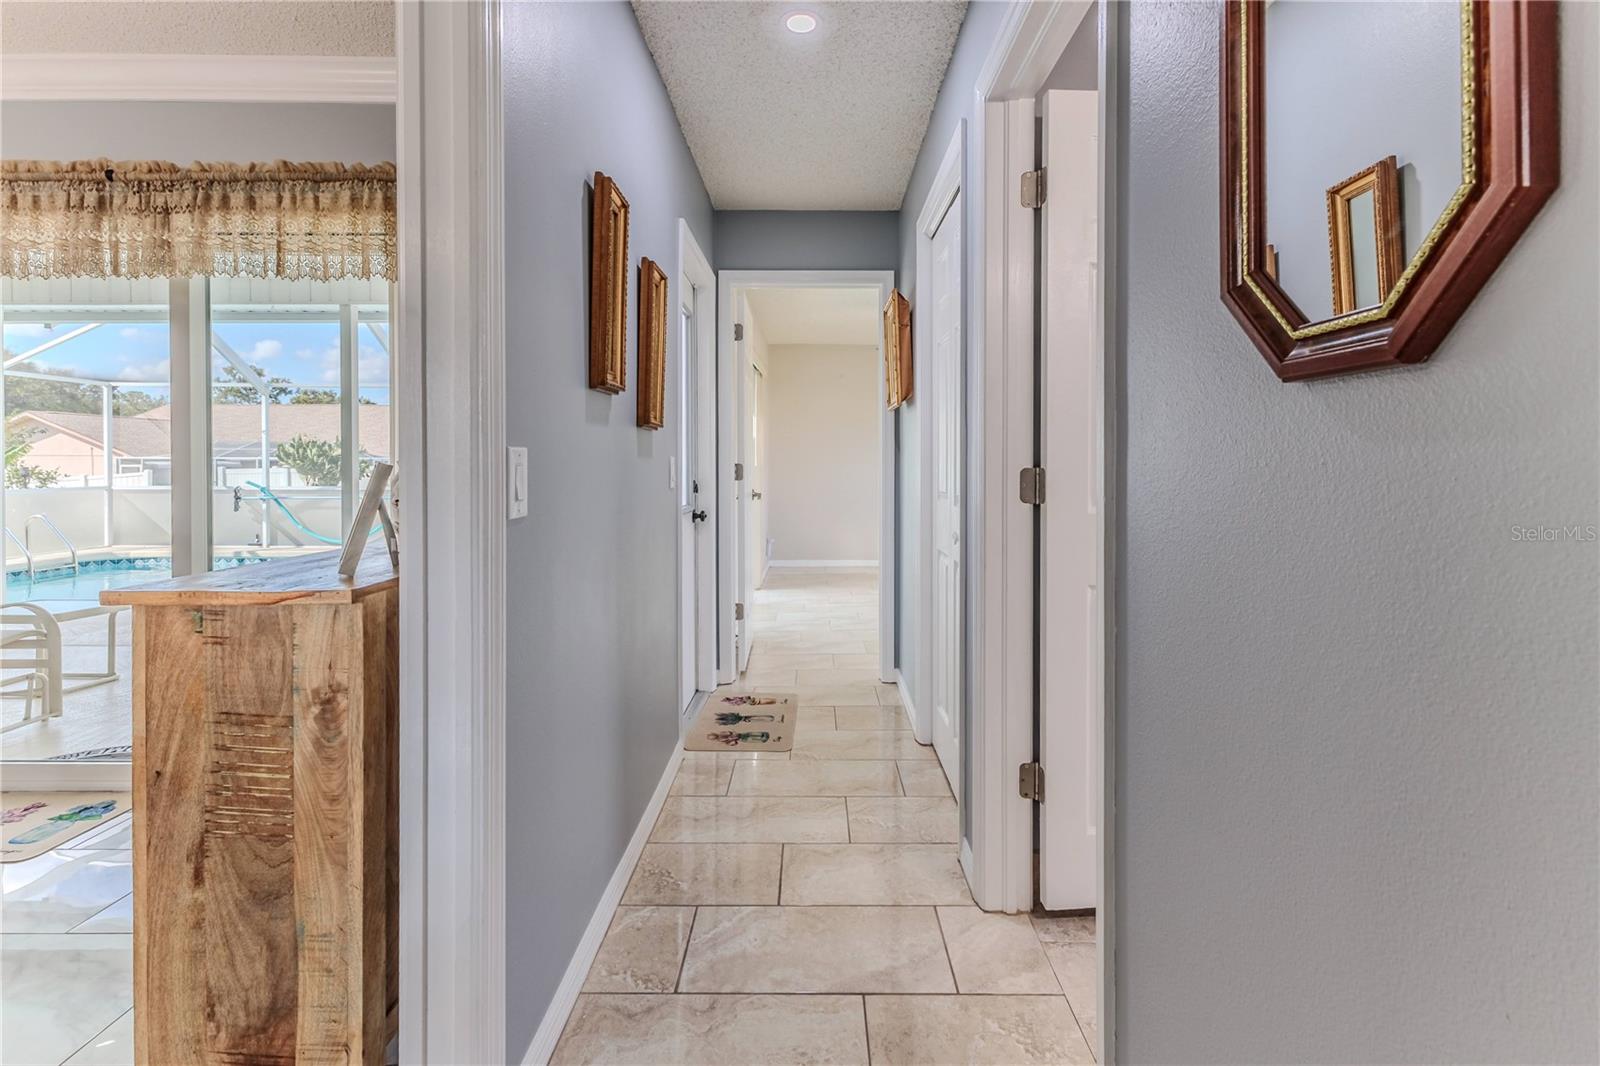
(95, 576)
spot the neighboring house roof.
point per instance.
(132, 436)
(235, 428)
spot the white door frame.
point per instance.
(1000, 421)
(449, 333)
(695, 270)
(731, 287)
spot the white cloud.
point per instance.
(145, 372)
(267, 349)
(27, 329)
(330, 365)
(130, 332)
(374, 369)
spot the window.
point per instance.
(295, 370)
(300, 412)
(87, 427)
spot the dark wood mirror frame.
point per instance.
(1509, 53)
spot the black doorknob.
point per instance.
(698, 516)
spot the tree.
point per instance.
(133, 402)
(315, 396)
(34, 394)
(316, 461)
(19, 475)
(237, 388)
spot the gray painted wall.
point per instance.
(1079, 65)
(1346, 85)
(187, 132)
(806, 240)
(955, 105)
(1356, 716)
(591, 572)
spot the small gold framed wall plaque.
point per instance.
(652, 344)
(608, 288)
(897, 350)
(1364, 237)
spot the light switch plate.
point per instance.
(516, 483)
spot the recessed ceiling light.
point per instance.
(801, 22)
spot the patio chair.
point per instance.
(30, 641)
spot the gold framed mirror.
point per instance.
(1456, 101)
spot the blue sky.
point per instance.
(306, 353)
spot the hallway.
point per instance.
(810, 906)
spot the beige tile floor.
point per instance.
(809, 907)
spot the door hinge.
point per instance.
(738, 612)
(738, 471)
(1033, 188)
(1030, 782)
(1031, 485)
(738, 331)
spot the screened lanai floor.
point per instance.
(91, 720)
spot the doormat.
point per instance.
(35, 822)
(116, 753)
(744, 721)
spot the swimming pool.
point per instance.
(94, 576)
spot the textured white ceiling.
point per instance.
(199, 27)
(831, 120)
(816, 316)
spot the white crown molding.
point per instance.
(302, 79)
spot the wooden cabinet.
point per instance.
(265, 788)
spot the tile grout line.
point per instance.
(937, 920)
(81, 1047)
(684, 960)
(866, 1028)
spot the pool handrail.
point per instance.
(27, 537)
(26, 554)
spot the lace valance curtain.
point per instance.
(97, 218)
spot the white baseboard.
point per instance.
(920, 729)
(566, 997)
(779, 564)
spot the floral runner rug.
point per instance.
(744, 721)
(35, 822)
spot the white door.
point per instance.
(1070, 608)
(696, 493)
(688, 528)
(750, 505)
(944, 615)
(755, 485)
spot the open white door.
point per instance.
(696, 481)
(1070, 434)
(946, 377)
(750, 510)
(755, 486)
(741, 499)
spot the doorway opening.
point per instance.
(1043, 464)
(806, 458)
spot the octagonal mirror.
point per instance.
(1379, 159)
